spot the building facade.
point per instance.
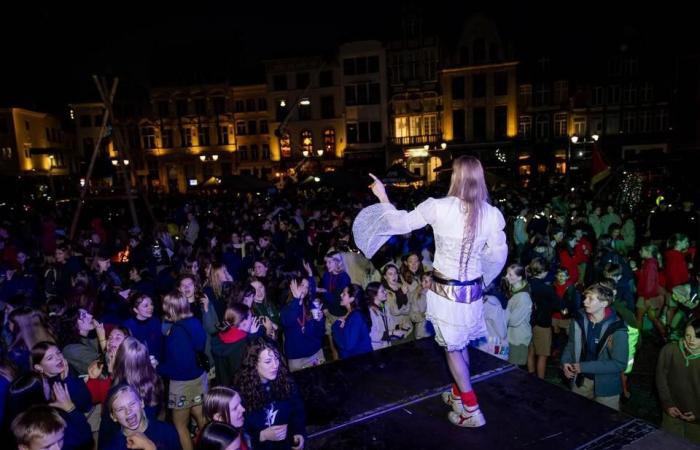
(35, 144)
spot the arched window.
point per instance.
(329, 141)
(285, 146)
(307, 142)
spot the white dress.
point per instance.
(456, 324)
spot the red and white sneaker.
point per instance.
(467, 419)
(454, 402)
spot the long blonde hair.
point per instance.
(469, 185)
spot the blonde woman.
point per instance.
(188, 380)
(470, 251)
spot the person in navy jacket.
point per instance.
(144, 326)
(303, 326)
(351, 332)
(188, 381)
(274, 418)
(48, 361)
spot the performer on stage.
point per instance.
(470, 251)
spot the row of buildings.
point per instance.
(416, 100)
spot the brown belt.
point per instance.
(457, 291)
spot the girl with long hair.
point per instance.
(397, 298)
(48, 361)
(382, 327)
(519, 312)
(188, 286)
(83, 339)
(188, 380)
(263, 307)
(223, 406)
(303, 325)
(470, 251)
(218, 284)
(350, 332)
(275, 415)
(133, 366)
(227, 346)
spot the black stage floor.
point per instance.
(390, 400)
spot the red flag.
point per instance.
(599, 168)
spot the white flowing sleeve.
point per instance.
(495, 253)
(375, 224)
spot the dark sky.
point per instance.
(53, 50)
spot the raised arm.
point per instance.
(375, 224)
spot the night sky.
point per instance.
(52, 50)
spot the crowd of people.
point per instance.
(186, 334)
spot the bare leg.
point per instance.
(198, 415)
(541, 366)
(640, 318)
(625, 388)
(531, 359)
(458, 362)
(181, 419)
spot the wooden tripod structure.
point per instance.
(122, 147)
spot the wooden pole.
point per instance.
(91, 166)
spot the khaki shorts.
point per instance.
(562, 324)
(186, 394)
(542, 340)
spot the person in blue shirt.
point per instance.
(274, 417)
(303, 326)
(48, 361)
(333, 281)
(127, 409)
(188, 381)
(351, 331)
(144, 326)
(8, 372)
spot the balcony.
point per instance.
(416, 140)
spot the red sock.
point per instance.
(469, 399)
(455, 390)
